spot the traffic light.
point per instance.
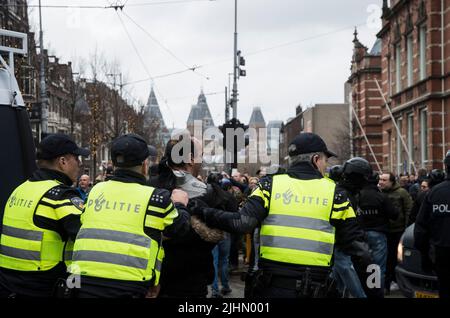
(236, 145)
(241, 62)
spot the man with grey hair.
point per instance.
(302, 217)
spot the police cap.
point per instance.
(308, 143)
(56, 145)
(129, 150)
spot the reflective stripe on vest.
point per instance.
(111, 242)
(297, 229)
(158, 264)
(23, 245)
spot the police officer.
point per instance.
(432, 227)
(302, 216)
(355, 173)
(118, 249)
(40, 217)
(373, 212)
(435, 177)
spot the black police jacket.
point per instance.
(433, 221)
(374, 209)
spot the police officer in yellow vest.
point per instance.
(118, 251)
(41, 220)
(302, 217)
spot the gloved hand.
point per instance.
(361, 255)
(426, 263)
(196, 207)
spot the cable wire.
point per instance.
(116, 7)
(192, 68)
(145, 66)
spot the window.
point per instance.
(409, 52)
(399, 147)
(423, 136)
(398, 68)
(423, 52)
(410, 141)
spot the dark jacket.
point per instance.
(374, 210)
(402, 202)
(420, 197)
(188, 267)
(433, 221)
(41, 284)
(349, 235)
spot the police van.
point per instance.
(17, 149)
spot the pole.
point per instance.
(350, 124)
(443, 59)
(399, 133)
(365, 137)
(234, 99)
(43, 90)
(227, 111)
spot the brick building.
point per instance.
(366, 101)
(414, 61)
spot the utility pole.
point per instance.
(75, 92)
(117, 111)
(234, 99)
(43, 91)
(234, 123)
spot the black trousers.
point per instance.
(442, 266)
(392, 245)
(267, 285)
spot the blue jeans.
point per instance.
(221, 252)
(345, 275)
(378, 245)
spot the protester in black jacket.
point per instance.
(373, 214)
(187, 268)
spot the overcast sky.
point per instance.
(311, 68)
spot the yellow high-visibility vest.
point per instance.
(111, 242)
(23, 245)
(297, 229)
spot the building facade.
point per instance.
(155, 129)
(291, 129)
(366, 103)
(330, 121)
(414, 80)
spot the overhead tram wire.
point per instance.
(145, 66)
(116, 7)
(192, 68)
(251, 53)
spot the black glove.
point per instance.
(361, 255)
(426, 263)
(196, 207)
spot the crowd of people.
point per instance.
(164, 230)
